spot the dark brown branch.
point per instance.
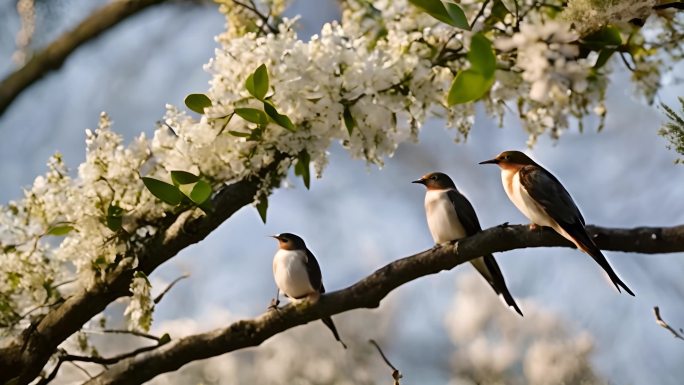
(368, 292)
(51, 57)
(659, 321)
(24, 357)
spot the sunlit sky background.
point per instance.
(357, 217)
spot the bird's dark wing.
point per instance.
(544, 188)
(314, 271)
(471, 225)
(465, 212)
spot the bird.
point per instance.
(451, 217)
(545, 202)
(297, 274)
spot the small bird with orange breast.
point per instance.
(298, 275)
(545, 202)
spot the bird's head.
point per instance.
(289, 241)
(510, 159)
(436, 181)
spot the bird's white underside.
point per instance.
(444, 224)
(291, 276)
(526, 204)
(441, 217)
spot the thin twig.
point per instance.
(659, 321)
(260, 15)
(163, 293)
(479, 13)
(675, 5)
(111, 360)
(624, 60)
(132, 332)
(396, 375)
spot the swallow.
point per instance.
(545, 202)
(451, 217)
(298, 275)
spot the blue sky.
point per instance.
(357, 218)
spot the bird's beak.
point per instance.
(419, 181)
(274, 236)
(491, 161)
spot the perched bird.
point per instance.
(298, 275)
(545, 202)
(450, 217)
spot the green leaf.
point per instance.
(164, 339)
(498, 12)
(262, 206)
(280, 119)
(198, 192)
(349, 121)
(606, 36)
(603, 57)
(165, 192)
(434, 8)
(438, 10)
(257, 83)
(240, 134)
(252, 115)
(59, 230)
(511, 5)
(114, 218)
(468, 85)
(457, 15)
(183, 177)
(197, 102)
(481, 55)
(302, 167)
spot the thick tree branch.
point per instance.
(368, 292)
(26, 356)
(51, 57)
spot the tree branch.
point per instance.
(369, 291)
(51, 57)
(24, 357)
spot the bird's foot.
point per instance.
(274, 304)
(534, 226)
(504, 225)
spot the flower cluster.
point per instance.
(141, 306)
(368, 82)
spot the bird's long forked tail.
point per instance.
(329, 323)
(499, 284)
(584, 243)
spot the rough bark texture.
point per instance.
(51, 57)
(368, 292)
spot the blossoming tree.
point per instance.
(277, 102)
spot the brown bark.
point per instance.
(368, 292)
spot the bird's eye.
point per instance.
(434, 177)
(507, 157)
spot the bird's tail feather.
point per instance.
(584, 242)
(498, 283)
(329, 323)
